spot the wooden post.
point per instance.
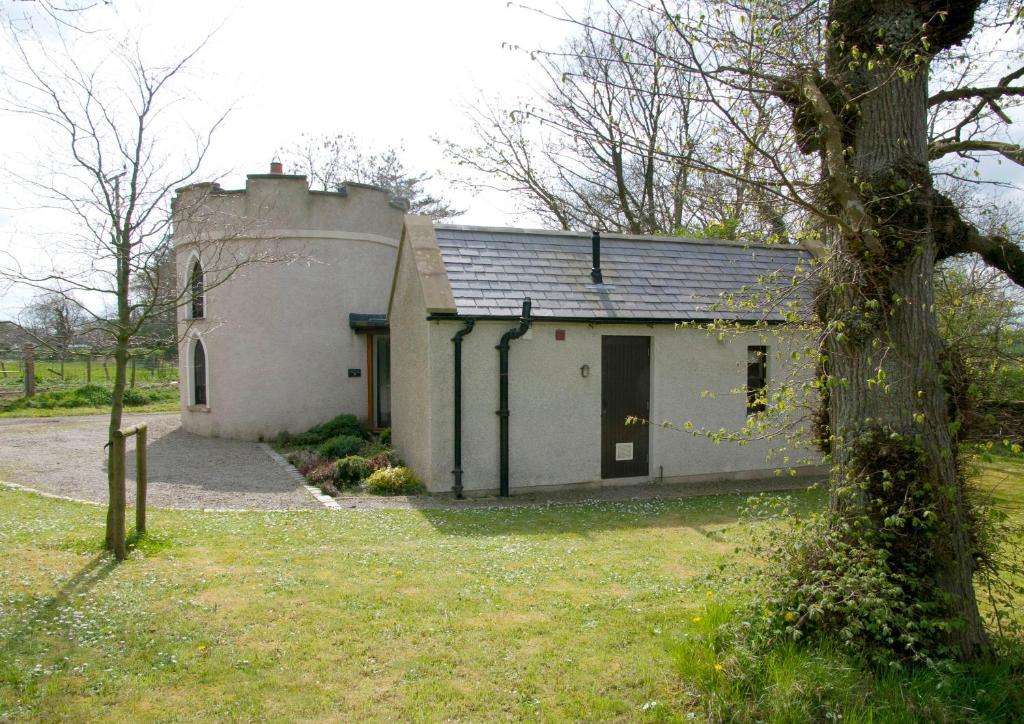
(30, 370)
(88, 369)
(117, 503)
(141, 477)
(131, 384)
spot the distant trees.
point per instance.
(620, 140)
(57, 321)
(329, 160)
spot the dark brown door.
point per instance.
(625, 392)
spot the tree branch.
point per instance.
(1011, 151)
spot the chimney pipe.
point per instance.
(276, 167)
(595, 248)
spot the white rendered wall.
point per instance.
(555, 421)
(276, 334)
(412, 424)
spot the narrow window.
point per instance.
(382, 378)
(199, 374)
(757, 379)
(198, 297)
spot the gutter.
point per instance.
(457, 419)
(503, 411)
(448, 317)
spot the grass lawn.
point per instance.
(91, 400)
(562, 612)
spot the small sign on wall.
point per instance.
(355, 372)
(623, 451)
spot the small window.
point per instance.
(757, 379)
(199, 374)
(196, 284)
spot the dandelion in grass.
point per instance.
(789, 616)
(718, 667)
(695, 619)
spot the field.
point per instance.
(63, 389)
(148, 370)
(590, 611)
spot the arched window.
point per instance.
(199, 374)
(198, 295)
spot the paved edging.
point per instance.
(325, 500)
(26, 489)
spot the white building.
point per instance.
(289, 342)
(271, 348)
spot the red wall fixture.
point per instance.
(560, 335)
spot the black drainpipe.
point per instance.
(503, 412)
(457, 340)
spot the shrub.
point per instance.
(384, 437)
(89, 396)
(328, 488)
(322, 473)
(305, 460)
(340, 425)
(395, 481)
(380, 455)
(283, 439)
(351, 470)
(340, 446)
(385, 459)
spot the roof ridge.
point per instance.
(605, 236)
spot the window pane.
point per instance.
(198, 297)
(382, 379)
(757, 378)
(199, 374)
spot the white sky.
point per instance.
(388, 72)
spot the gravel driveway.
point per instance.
(65, 456)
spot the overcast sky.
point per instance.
(388, 72)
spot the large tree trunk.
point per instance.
(894, 449)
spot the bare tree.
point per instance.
(56, 319)
(112, 171)
(619, 140)
(328, 161)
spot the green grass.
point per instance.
(563, 612)
(90, 399)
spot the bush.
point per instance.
(380, 455)
(340, 425)
(385, 459)
(328, 488)
(395, 481)
(340, 446)
(305, 460)
(384, 437)
(322, 473)
(351, 470)
(89, 396)
(284, 439)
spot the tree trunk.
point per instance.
(115, 477)
(894, 425)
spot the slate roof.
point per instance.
(645, 278)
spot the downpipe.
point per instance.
(457, 420)
(503, 411)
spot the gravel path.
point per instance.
(65, 456)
